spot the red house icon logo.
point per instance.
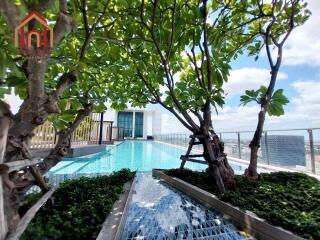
(23, 40)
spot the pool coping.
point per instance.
(253, 224)
(113, 225)
(125, 211)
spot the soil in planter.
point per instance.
(79, 210)
(289, 200)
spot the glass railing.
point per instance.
(295, 149)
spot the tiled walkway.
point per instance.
(157, 211)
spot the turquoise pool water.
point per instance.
(135, 155)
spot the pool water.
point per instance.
(135, 155)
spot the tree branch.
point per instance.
(205, 45)
(267, 37)
(177, 116)
(65, 82)
(158, 99)
(64, 23)
(89, 32)
(172, 28)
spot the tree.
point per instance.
(87, 98)
(175, 57)
(271, 31)
(79, 54)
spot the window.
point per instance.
(125, 120)
(138, 132)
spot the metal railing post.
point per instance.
(111, 130)
(313, 164)
(101, 129)
(239, 147)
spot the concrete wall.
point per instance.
(147, 122)
(110, 115)
(157, 122)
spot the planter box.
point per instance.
(253, 224)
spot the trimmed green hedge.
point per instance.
(289, 200)
(79, 210)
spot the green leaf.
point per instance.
(275, 109)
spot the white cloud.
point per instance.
(303, 45)
(307, 102)
(236, 118)
(304, 113)
(248, 78)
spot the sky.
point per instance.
(299, 77)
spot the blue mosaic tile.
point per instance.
(159, 212)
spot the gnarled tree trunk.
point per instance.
(213, 151)
(9, 195)
(33, 112)
(218, 166)
(5, 216)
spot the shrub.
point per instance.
(79, 209)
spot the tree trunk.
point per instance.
(213, 151)
(58, 152)
(219, 168)
(32, 113)
(9, 215)
(251, 171)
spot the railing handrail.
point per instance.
(249, 131)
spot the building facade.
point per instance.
(136, 123)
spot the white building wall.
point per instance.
(110, 115)
(156, 122)
(147, 124)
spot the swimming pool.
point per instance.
(135, 155)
